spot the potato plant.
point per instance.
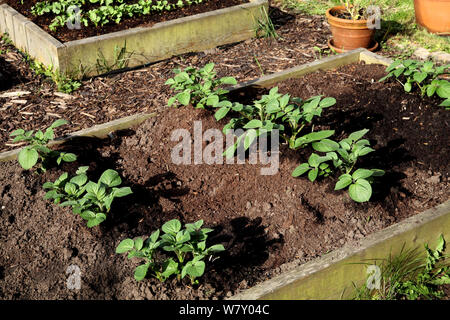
(198, 87)
(177, 251)
(343, 156)
(276, 111)
(91, 200)
(37, 147)
(424, 75)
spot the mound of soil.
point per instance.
(268, 224)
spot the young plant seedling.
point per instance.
(343, 156)
(187, 247)
(425, 75)
(92, 201)
(29, 155)
(275, 111)
(198, 87)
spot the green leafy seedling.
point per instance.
(91, 200)
(37, 147)
(186, 249)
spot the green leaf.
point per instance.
(17, 132)
(250, 136)
(360, 191)
(212, 100)
(28, 158)
(343, 182)
(301, 169)
(252, 124)
(407, 86)
(154, 236)
(327, 102)
(48, 185)
(87, 215)
(445, 103)
(100, 217)
(193, 269)
(312, 174)
(385, 77)
(431, 89)
(216, 248)
(184, 97)
(138, 243)
(221, 113)
(70, 188)
(169, 268)
(58, 123)
(170, 81)
(79, 180)
(441, 244)
(69, 157)
(228, 80)
(314, 160)
(316, 136)
(172, 226)
(377, 172)
(229, 153)
(443, 90)
(141, 271)
(358, 134)
(428, 66)
(398, 72)
(326, 145)
(171, 101)
(393, 65)
(362, 174)
(111, 178)
(82, 170)
(122, 192)
(125, 246)
(208, 67)
(365, 151)
(419, 76)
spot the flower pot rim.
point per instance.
(349, 22)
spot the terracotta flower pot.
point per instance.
(434, 15)
(349, 34)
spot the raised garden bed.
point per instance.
(140, 44)
(268, 224)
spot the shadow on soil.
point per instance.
(9, 76)
(247, 243)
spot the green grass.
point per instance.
(398, 21)
(410, 275)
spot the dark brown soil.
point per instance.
(267, 223)
(65, 34)
(106, 98)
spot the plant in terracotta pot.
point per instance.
(434, 15)
(352, 26)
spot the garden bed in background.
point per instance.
(125, 47)
(64, 34)
(268, 224)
